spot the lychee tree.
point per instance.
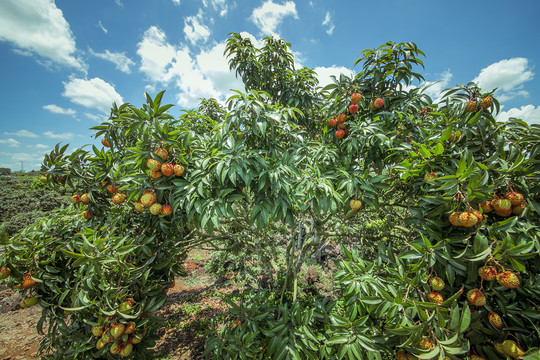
(270, 178)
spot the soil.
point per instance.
(192, 302)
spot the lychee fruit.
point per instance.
(28, 302)
(97, 331)
(353, 108)
(162, 153)
(126, 350)
(147, 199)
(85, 199)
(470, 106)
(355, 98)
(340, 133)
(435, 297)
(153, 164)
(486, 207)
(511, 348)
(430, 176)
(377, 103)
(118, 198)
(476, 297)
(87, 215)
(178, 170)
(75, 199)
(341, 118)
(106, 142)
(501, 205)
(4, 273)
(111, 188)
(468, 219)
(355, 204)
(478, 215)
(455, 218)
(515, 198)
(28, 282)
(332, 122)
(436, 283)
(485, 103)
(426, 344)
(167, 169)
(495, 319)
(508, 279)
(487, 273)
(155, 209)
(156, 174)
(342, 126)
(518, 209)
(166, 210)
(138, 206)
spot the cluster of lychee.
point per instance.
(148, 200)
(116, 198)
(158, 169)
(505, 205)
(485, 103)
(120, 336)
(27, 283)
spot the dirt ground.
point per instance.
(192, 302)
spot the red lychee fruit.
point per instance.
(476, 297)
(478, 215)
(138, 206)
(355, 204)
(470, 106)
(178, 170)
(495, 319)
(4, 273)
(166, 210)
(106, 142)
(485, 103)
(511, 348)
(487, 273)
(28, 282)
(167, 169)
(111, 188)
(87, 215)
(75, 199)
(353, 108)
(518, 209)
(486, 207)
(118, 198)
(97, 331)
(455, 218)
(153, 164)
(435, 297)
(426, 344)
(162, 153)
(342, 126)
(341, 118)
(130, 327)
(156, 174)
(508, 279)
(340, 134)
(332, 122)
(468, 219)
(515, 198)
(501, 205)
(377, 103)
(355, 98)
(126, 350)
(430, 176)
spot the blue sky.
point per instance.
(64, 62)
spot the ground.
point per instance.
(192, 303)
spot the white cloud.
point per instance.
(194, 76)
(436, 87)
(176, 2)
(122, 62)
(269, 15)
(324, 73)
(41, 146)
(39, 27)
(220, 5)
(55, 109)
(508, 76)
(156, 54)
(94, 93)
(100, 25)
(96, 118)
(119, 3)
(10, 142)
(328, 21)
(62, 136)
(22, 133)
(194, 28)
(527, 113)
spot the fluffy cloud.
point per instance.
(94, 93)
(62, 136)
(55, 109)
(22, 133)
(527, 113)
(100, 25)
(324, 73)
(329, 23)
(220, 5)
(195, 29)
(434, 88)
(39, 27)
(269, 15)
(508, 76)
(10, 142)
(205, 74)
(156, 54)
(176, 2)
(122, 62)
